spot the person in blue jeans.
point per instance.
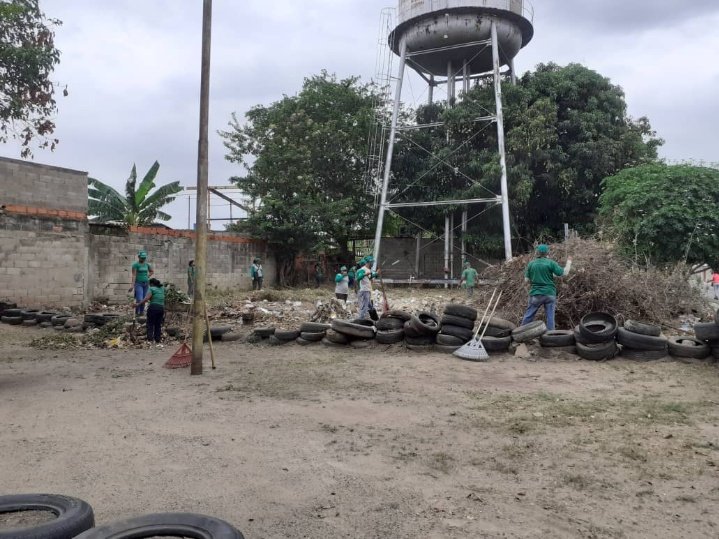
(540, 273)
(141, 273)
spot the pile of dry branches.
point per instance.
(600, 280)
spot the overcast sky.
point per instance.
(132, 69)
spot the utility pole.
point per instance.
(198, 313)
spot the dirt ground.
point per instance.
(314, 442)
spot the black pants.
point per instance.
(257, 283)
(155, 317)
(343, 297)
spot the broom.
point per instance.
(183, 357)
(474, 349)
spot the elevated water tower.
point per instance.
(446, 41)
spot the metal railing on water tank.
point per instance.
(409, 9)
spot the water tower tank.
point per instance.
(440, 26)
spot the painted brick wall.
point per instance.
(41, 186)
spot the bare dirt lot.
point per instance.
(316, 442)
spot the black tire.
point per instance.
(314, 327)
(501, 323)
(12, 312)
(390, 336)
(644, 355)
(352, 329)
(402, 315)
(303, 342)
(462, 333)
(12, 320)
(232, 336)
(496, 344)
(529, 331)
(707, 332)
(388, 324)
(312, 337)
(29, 314)
(409, 330)
(29, 323)
(363, 322)
(463, 311)
(642, 329)
(362, 343)
(219, 331)
(555, 339)
(637, 341)
(59, 320)
(166, 524)
(420, 347)
(425, 340)
(287, 335)
(492, 331)
(425, 323)
(44, 317)
(597, 351)
(579, 338)
(445, 348)
(265, 332)
(274, 341)
(96, 319)
(598, 327)
(688, 347)
(45, 324)
(449, 340)
(74, 516)
(336, 338)
(329, 343)
(452, 320)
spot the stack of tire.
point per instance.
(457, 327)
(559, 341)
(642, 342)
(261, 335)
(420, 332)
(355, 333)
(312, 332)
(498, 334)
(390, 328)
(595, 337)
(27, 318)
(707, 339)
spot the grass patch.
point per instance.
(62, 341)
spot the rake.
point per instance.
(474, 350)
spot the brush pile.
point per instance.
(602, 281)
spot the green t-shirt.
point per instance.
(190, 274)
(541, 273)
(142, 272)
(158, 295)
(469, 276)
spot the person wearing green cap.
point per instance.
(540, 273)
(364, 278)
(469, 278)
(141, 273)
(257, 274)
(342, 284)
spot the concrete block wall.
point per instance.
(23, 183)
(43, 261)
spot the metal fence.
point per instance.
(409, 9)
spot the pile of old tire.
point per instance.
(420, 332)
(312, 332)
(529, 332)
(165, 525)
(356, 333)
(284, 336)
(390, 328)
(457, 327)
(260, 335)
(559, 341)
(595, 337)
(12, 316)
(72, 516)
(497, 334)
(642, 342)
(708, 333)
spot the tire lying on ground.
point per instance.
(287, 335)
(352, 329)
(642, 328)
(29, 323)
(644, 355)
(218, 331)
(12, 320)
(389, 336)
(336, 338)
(556, 339)
(314, 327)
(597, 351)
(264, 332)
(707, 332)
(74, 516)
(389, 323)
(425, 323)
(637, 341)
(12, 312)
(362, 343)
(449, 340)
(496, 344)
(29, 314)
(456, 331)
(501, 323)
(303, 342)
(394, 313)
(409, 330)
(451, 320)
(688, 348)
(529, 331)
(329, 343)
(598, 327)
(463, 311)
(166, 525)
(44, 316)
(492, 331)
(313, 337)
(59, 320)
(232, 336)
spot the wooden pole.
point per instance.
(198, 321)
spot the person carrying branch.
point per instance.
(540, 273)
(365, 275)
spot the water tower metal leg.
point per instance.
(465, 78)
(450, 84)
(451, 246)
(512, 74)
(464, 235)
(430, 98)
(500, 143)
(390, 150)
(446, 247)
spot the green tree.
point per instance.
(664, 214)
(138, 207)
(567, 128)
(27, 60)
(306, 160)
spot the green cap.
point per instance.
(343, 268)
(543, 249)
(142, 254)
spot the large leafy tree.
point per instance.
(27, 60)
(567, 129)
(139, 206)
(664, 214)
(306, 158)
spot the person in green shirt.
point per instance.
(191, 275)
(141, 273)
(342, 284)
(540, 273)
(155, 311)
(469, 278)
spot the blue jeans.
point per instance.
(364, 300)
(140, 293)
(535, 302)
